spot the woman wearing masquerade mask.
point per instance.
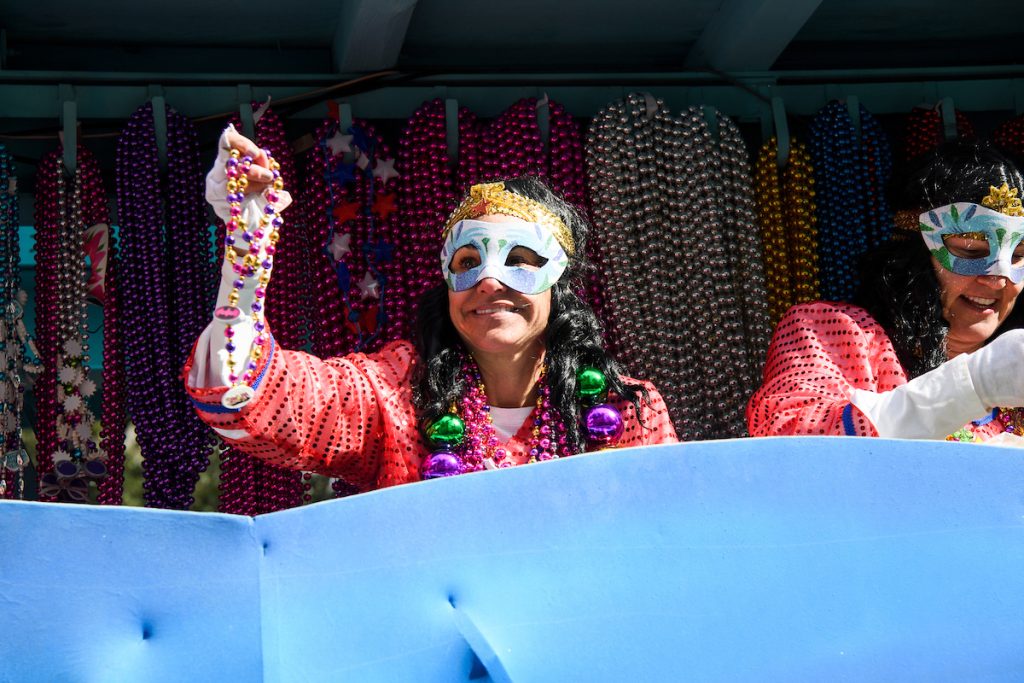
(935, 350)
(508, 366)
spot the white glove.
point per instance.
(210, 368)
(931, 406)
(998, 370)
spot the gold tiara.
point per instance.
(1003, 199)
(493, 198)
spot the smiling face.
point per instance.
(974, 305)
(491, 317)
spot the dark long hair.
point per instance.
(899, 287)
(572, 337)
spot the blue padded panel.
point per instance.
(837, 559)
(115, 595)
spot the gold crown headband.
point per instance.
(493, 198)
(1002, 199)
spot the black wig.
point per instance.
(898, 283)
(573, 337)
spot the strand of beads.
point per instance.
(1009, 136)
(187, 231)
(481, 440)
(78, 455)
(17, 371)
(426, 196)
(768, 190)
(1012, 420)
(547, 437)
(602, 423)
(785, 205)
(621, 178)
(851, 169)
(249, 486)
(923, 131)
(114, 415)
(64, 423)
(743, 246)
(237, 169)
(671, 200)
(359, 173)
(146, 321)
(348, 215)
(801, 223)
(326, 313)
(876, 163)
(49, 273)
(160, 313)
(15, 345)
(511, 144)
(257, 263)
(68, 457)
(463, 440)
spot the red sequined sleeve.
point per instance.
(818, 353)
(656, 428)
(328, 416)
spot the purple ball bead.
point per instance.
(442, 464)
(603, 424)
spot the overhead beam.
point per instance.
(370, 34)
(749, 35)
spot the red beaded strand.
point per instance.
(923, 131)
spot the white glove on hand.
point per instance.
(209, 368)
(931, 406)
(998, 370)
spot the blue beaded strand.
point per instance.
(850, 173)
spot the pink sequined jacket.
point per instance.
(352, 417)
(818, 353)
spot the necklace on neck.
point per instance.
(464, 440)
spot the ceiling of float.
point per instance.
(331, 36)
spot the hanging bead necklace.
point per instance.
(359, 209)
(427, 192)
(1009, 136)
(850, 175)
(785, 205)
(64, 422)
(18, 354)
(169, 301)
(923, 131)
(672, 203)
(76, 457)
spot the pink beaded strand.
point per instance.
(59, 294)
(427, 194)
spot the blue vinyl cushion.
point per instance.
(837, 559)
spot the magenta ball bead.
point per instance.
(442, 464)
(603, 424)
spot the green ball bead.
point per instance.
(591, 384)
(447, 430)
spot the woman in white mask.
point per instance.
(935, 349)
(507, 367)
